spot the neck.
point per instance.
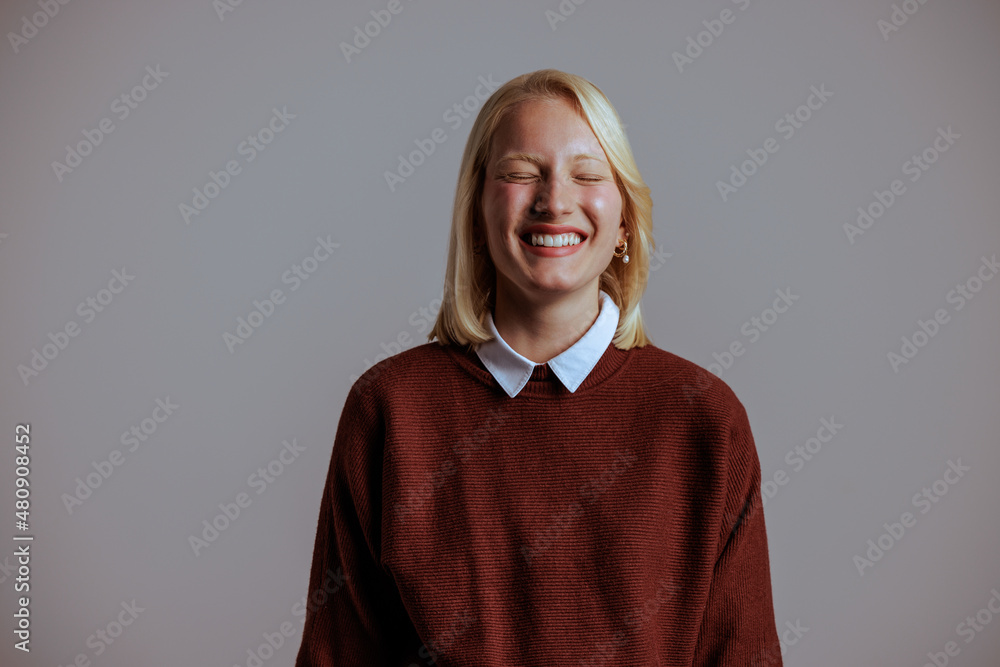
(542, 327)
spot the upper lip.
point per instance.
(553, 229)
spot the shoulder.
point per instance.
(384, 389)
(698, 403)
(672, 375)
(419, 363)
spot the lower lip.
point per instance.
(549, 251)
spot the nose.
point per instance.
(552, 199)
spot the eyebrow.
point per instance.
(536, 160)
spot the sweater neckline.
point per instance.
(543, 382)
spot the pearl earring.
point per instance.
(621, 250)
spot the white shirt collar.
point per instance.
(572, 366)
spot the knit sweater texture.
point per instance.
(620, 524)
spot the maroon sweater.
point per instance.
(617, 525)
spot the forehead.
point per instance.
(547, 126)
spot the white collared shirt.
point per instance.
(572, 366)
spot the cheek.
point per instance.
(503, 202)
(605, 207)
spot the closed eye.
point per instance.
(589, 178)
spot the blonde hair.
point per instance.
(470, 277)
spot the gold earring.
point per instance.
(621, 250)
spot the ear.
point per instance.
(623, 231)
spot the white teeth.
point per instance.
(555, 240)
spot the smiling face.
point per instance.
(548, 176)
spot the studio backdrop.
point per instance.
(215, 215)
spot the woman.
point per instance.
(541, 485)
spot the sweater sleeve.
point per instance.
(738, 627)
(354, 615)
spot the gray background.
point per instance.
(323, 175)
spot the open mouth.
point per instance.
(552, 240)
